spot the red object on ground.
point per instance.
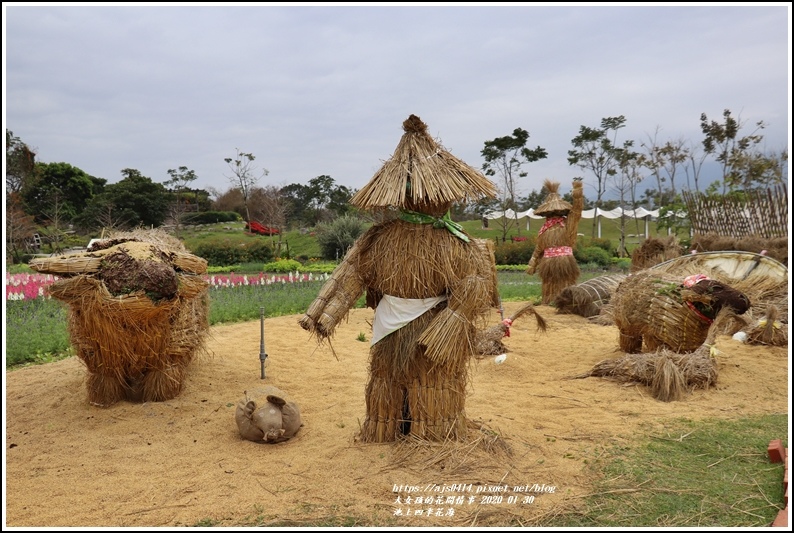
(778, 454)
(256, 227)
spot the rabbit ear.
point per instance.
(276, 400)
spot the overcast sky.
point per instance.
(323, 90)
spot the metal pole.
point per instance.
(262, 354)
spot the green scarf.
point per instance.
(438, 222)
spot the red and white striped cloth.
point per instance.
(557, 251)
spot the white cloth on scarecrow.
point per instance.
(393, 313)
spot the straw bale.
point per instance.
(776, 247)
(654, 251)
(422, 172)
(589, 297)
(157, 236)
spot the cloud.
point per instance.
(314, 90)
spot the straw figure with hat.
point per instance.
(553, 256)
(429, 283)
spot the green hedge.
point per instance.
(225, 252)
(514, 253)
(592, 254)
(212, 217)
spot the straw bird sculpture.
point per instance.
(429, 284)
(553, 256)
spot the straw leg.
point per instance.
(630, 343)
(163, 384)
(104, 390)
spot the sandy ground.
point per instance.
(182, 462)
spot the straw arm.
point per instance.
(467, 299)
(575, 214)
(336, 297)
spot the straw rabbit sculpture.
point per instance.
(272, 420)
(429, 283)
(553, 256)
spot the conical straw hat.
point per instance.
(421, 172)
(554, 204)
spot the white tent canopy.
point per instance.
(618, 212)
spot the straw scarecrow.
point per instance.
(429, 284)
(138, 314)
(553, 257)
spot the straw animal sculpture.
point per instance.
(553, 256)
(669, 375)
(138, 314)
(589, 297)
(489, 341)
(654, 251)
(762, 279)
(418, 372)
(663, 310)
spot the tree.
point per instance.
(596, 151)
(60, 183)
(504, 157)
(20, 164)
(133, 201)
(319, 201)
(696, 156)
(270, 208)
(19, 228)
(723, 141)
(244, 176)
(625, 182)
(180, 179)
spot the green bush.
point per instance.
(225, 252)
(604, 244)
(335, 238)
(282, 266)
(621, 263)
(592, 254)
(212, 217)
(514, 253)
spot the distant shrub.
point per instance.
(514, 253)
(335, 238)
(212, 217)
(592, 254)
(282, 266)
(225, 252)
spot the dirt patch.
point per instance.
(183, 462)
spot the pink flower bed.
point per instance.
(31, 286)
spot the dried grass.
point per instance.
(670, 375)
(654, 251)
(769, 330)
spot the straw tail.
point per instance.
(529, 308)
